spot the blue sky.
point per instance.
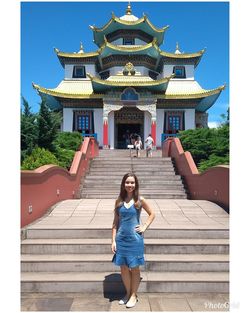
(194, 25)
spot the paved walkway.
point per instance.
(170, 213)
(148, 302)
(94, 213)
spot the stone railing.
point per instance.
(212, 185)
(49, 184)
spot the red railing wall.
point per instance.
(212, 185)
(48, 184)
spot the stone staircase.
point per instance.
(62, 253)
(157, 177)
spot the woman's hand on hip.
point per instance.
(140, 229)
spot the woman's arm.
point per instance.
(151, 216)
(114, 230)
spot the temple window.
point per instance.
(128, 41)
(179, 71)
(79, 72)
(173, 122)
(83, 121)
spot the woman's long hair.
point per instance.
(123, 192)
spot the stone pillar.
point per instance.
(107, 108)
(151, 108)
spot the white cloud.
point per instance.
(213, 124)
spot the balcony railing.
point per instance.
(94, 135)
(164, 136)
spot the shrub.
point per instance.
(68, 140)
(64, 157)
(213, 160)
(209, 147)
(39, 157)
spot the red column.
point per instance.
(105, 134)
(153, 131)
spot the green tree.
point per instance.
(48, 126)
(29, 131)
(209, 147)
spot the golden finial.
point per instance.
(81, 48)
(129, 11)
(177, 49)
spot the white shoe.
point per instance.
(123, 300)
(131, 303)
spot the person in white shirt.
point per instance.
(149, 145)
(138, 146)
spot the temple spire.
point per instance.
(129, 11)
(177, 49)
(81, 48)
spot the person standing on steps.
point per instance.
(138, 146)
(127, 236)
(149, 145)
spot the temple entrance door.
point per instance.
(128, 120)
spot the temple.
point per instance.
(129, 85)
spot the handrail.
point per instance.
(43, 187)
(212, 185)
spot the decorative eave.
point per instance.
(100, 85)
(116, 23)
(207, 97)
(184, 56)
(150, 49)
(68, 95)
(75, 55)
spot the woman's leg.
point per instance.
(126, 278)
(135, 280)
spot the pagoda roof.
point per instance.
(150, 49)
(176, 90)
(196, 56)
(138, 81)
(116, 23)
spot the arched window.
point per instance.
(129, 94)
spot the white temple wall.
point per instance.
(98, 123)
(159, 125)
(90, 68)
(168, 70)
(189, 119)
(67, 119)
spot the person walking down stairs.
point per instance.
(149, 145)
(127, 236)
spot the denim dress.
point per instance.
(129, 243)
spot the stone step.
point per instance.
(137, 166)
(143, 191)
(196, 232)
(144, 172)
(148, 196)
(111, 282)
(106, 180)
(143, 188)
(142, 177)
(116, 187)
(152, 246)
(102, 262)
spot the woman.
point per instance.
(138, 146)
(127, 236)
